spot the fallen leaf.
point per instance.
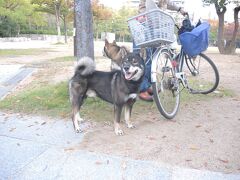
(43, 123)
(69, 149)
(151, 138)
(211, 140)
(194, 148)
(63, 115)
(222, 160)
(207, 131)
(98, 163)
(11, 130)
(198, 126)
(164, 136)
(37, 97)
(188, 160)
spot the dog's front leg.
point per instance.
(128, 110)
(117, 117)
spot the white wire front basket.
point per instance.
(152, 28)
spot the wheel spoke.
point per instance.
(165, 86)
(203, 77)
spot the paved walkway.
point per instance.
(11, 76)
(41, 148)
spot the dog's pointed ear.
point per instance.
(114, 42)
(143, 54)
(106, 42)
(123, 52)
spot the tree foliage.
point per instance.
(107, 20)
(61, 9)
(15, 14)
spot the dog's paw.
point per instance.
(119, 132)
(78, 130)
(131, 126)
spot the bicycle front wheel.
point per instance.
(203, 77)
(166, 85)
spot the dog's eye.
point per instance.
(135, 61)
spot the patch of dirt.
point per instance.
(204, 134)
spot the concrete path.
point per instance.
(11, 76)
(42, 148)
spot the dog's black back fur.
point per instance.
(115, 87)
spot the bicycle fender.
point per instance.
(154, 64)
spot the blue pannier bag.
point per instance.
(196, 41)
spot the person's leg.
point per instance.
(146, 83)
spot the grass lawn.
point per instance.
(63, 59)
(53, 100)
(19, 52)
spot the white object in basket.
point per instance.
(137, 31)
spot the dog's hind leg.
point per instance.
(76, 99)
(117, 116)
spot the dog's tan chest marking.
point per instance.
(131, 97)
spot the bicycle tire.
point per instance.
(166, 97)
(204, 75)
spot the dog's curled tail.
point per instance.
(85, 66)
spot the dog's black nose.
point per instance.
(126, 68)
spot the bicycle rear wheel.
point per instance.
(203, 77)
(166, 86)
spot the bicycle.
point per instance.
(169, 76)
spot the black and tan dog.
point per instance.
(115, 53)
(117, 87)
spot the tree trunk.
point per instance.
(84, 29)
(65, 29)
(231, 44)
(220, 41)
(57, 14)
(74, 33)
(18, 30)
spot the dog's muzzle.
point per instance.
(129, 72)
